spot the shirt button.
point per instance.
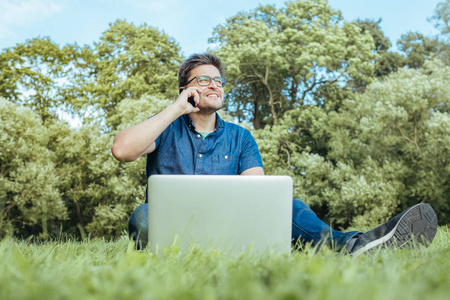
(198, 135)
(226, 156)
(200, 155)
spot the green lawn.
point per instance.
(97, 269)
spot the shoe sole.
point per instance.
(417, 225)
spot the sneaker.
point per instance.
(416, 225)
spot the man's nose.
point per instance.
(213, 83)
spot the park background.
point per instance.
(359, 121)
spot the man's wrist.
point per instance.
(175, 110)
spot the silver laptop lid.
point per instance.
(227, 213)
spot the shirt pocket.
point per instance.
(225, 164)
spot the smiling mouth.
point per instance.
(213, 95)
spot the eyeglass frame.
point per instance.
(223, 79)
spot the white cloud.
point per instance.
(22, 13)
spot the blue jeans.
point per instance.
(306, 228)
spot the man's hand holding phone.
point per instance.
(188, 99)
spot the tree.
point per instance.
(418, 48)
(55, 179)
(28, 184)
(58, 179)
(128, 62)
(31, 74)
(441, 17)
(278, 59)
(388, 149)
(386, 61)
(402, 127)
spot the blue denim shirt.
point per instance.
(180, 149)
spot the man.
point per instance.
(189, 137)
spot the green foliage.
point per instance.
(386, 61)
(441, 17)
(86, 168)
(66, 180)
(418, 48)
(277, 59)
(31, 74)
(384, 150)
(414, 47)
(128, 62)
(113, 270)
(382, 43)
(99, 191)
(28, 183)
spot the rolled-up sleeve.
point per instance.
(250, 156)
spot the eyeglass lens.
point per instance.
(206, 80)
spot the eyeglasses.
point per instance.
(204, 80)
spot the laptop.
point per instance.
(227, 213)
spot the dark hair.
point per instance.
(196, 60)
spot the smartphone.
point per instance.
(191, 101)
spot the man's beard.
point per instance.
(208, 108)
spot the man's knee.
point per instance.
(138, 225)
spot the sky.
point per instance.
(190, 22)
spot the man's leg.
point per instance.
(138, 226)
(308, 228)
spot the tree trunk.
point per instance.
(256, 120)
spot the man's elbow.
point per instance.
(119, 153)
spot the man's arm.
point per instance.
(253, 171)
(250, 158)
(133, 142)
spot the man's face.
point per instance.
(211, 99)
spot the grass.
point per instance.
(97, 269)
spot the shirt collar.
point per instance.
(219, 122)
